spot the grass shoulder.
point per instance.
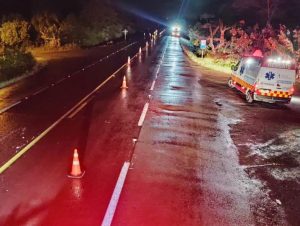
(217, 65)
(15, 63)
(220, 63)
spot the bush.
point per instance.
(95, 36)
(14, 33)
(14, 64)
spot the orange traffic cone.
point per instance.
(124, 86)
(147, 44)
(140, 51)
(76, 171)
(128, 61)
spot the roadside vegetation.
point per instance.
(226, 43)
(14, 60)
(92, 23)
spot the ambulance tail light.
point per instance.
(256, 90)
(292, 90)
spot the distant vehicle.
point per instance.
(176, 31)
(268, 79)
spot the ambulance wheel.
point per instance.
(249, 97)
(230, 83)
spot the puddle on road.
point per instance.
(275, 166)
(284, 149)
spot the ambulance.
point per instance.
(268, 79)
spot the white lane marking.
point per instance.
(108, 217)
(78, 110)
(161, 61)
(61, 80)
(143, 115)
(152, 86)
(158, 68)
(9, 107)
(44, 133)
(40, 90)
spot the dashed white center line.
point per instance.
(61, 80)
(143, 115)
(157, 70)
(109, 214)
(39, 91)
(152, 86)
(108, 217)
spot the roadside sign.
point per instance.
(203, 44)
(125, 31)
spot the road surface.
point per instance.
(189, 150)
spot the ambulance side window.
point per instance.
(253, 67)
(242, 67)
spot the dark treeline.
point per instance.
(55, 23)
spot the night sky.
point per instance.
(287, 11)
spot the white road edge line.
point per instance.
(110, 212)
(9, 107)
(77, 110)
(143, 115)
(152, 86)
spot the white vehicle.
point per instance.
(268, 79)
(176, 31)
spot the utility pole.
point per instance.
(269, 11)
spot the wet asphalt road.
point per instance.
(203, 156)
(267, 139)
